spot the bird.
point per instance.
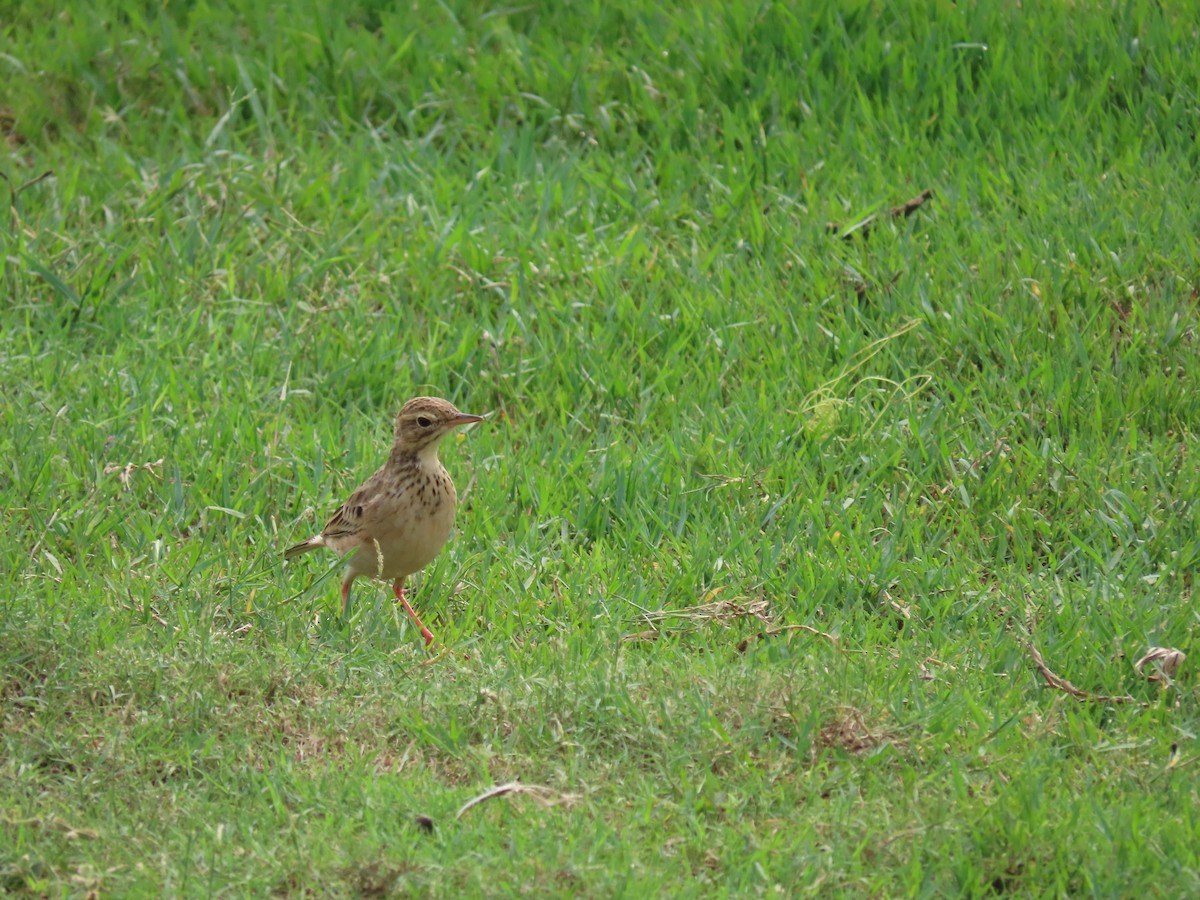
(398, 520)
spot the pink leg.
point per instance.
(346, 582)
(398, 587)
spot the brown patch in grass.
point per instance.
(8, 127)
(849, 732)
(375, 879)
(294, 886)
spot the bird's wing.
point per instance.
(354, 514)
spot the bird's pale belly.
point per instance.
(408, 543)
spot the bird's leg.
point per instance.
(346, 582)
(398, 587)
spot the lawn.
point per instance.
(811, 538)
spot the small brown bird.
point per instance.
(400, 517)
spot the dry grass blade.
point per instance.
(821, 409)
(716, 611)
(545, 796)
(1164, 662)
(56, 823)
(723, 612)
(125, 472)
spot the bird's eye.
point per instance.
(424, 421)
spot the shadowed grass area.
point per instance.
(970, 432)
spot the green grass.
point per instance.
(605, 227)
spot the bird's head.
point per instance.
(423, 421)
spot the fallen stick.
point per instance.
(543, 795)
(863, 227)
(771, 632)
(1059, 683)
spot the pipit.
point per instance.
(399, 518)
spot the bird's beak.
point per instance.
(466, 419)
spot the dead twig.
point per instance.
(125, 472)
(863, 227)
(722, 612)
(15, 190)
(1059, 683)
(718, 611)
(649, 636)
(138, 607)
(860, 285)
(771, 632)
(543, 795)
(973, 466)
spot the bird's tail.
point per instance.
(303, 547)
